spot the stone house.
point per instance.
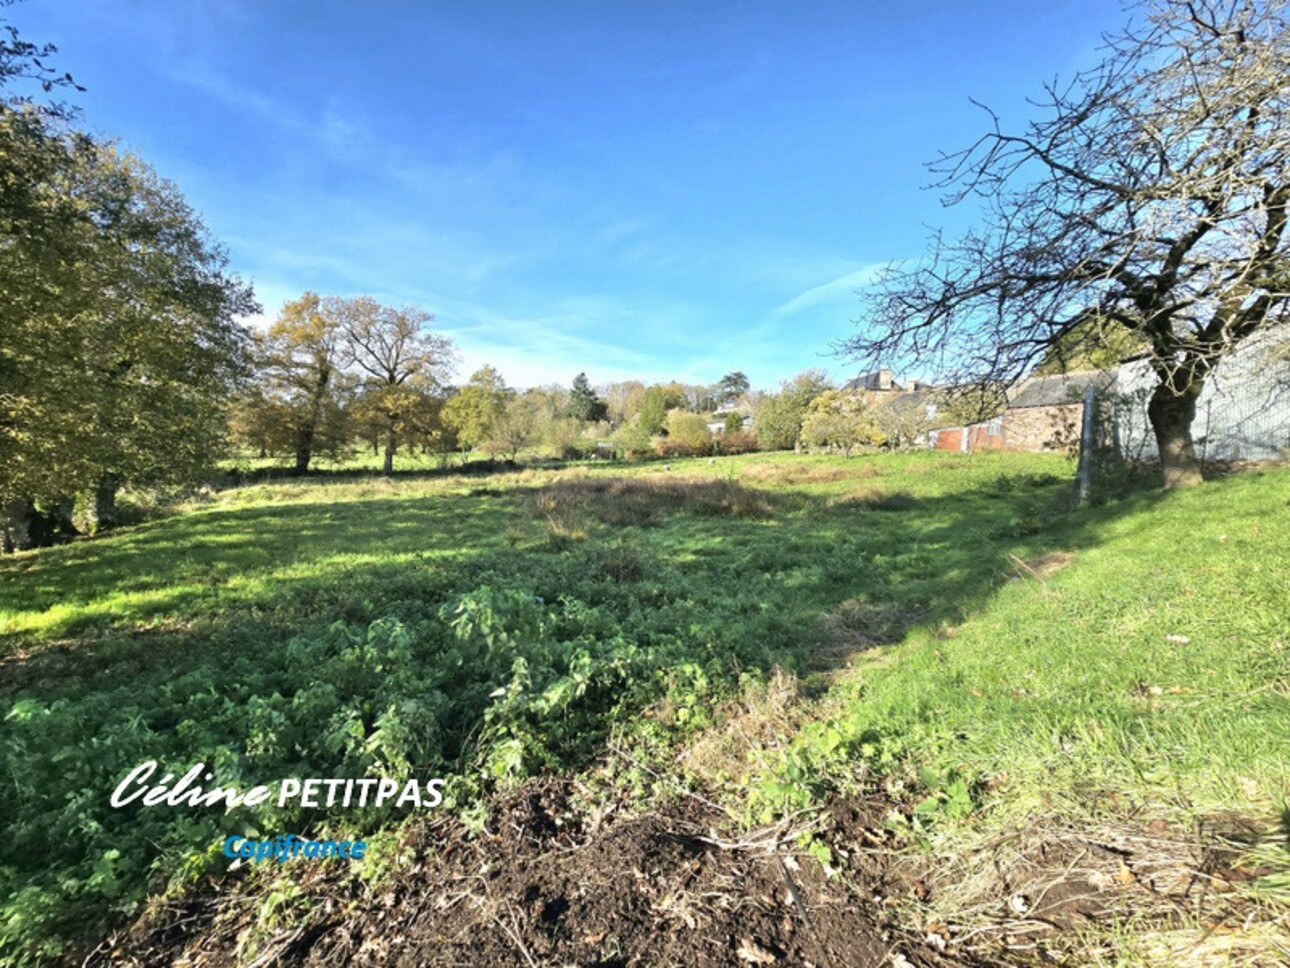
(1044, 413)
(1243, 412)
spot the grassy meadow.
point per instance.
(770, 630)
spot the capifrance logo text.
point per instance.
(288, 846)
(141, 786)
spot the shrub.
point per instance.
(740, 442)
(687, 435)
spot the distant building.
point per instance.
(1243, 412)
(718, 426)
(878, 380)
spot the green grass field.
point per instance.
(950, 624)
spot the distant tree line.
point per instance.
(124, 361)
(311, 396)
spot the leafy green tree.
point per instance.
(687, 434)
(1091, 343)
(653, 414)
(841, 419)
(583, 403)
(517, 425)
(633, 439)
(260, 423)
(779, 418)
(122, 343)
(731, 387)
(300, 371)
(473, 412)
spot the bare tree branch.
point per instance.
(1151, 194)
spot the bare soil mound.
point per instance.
(544, 889)
(551, 883)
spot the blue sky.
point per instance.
(648, 190)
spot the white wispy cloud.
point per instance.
(845, 284)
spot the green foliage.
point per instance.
(687, 435)
(654, 412)
(428, 628)
(563, 435)
(731, 388)
(517, 425)
(301, 391)
(840, 419)
(120, 344)
(779, 418)
(474, 411)
(583, 403)
(1137, 663)
(633, 439)
(498, 685)
(1092, 342)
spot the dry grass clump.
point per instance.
(570, 505)
(855, 626)
(875, 497)
(799, 473)
(764, 717)
(1158, 892)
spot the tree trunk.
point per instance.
(1171, 416)
(388, 468)
(304, 449)
(17, 525)
(104, 510)
(26, 527)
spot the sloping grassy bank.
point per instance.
(1136, 676)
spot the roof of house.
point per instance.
(910, 401)
(1058, 389)
(877, 380)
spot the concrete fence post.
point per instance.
(1087, 444)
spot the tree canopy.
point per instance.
(475, 410)
(122, 339)
(397, 359)
(301, 376)
(583, 403)
(1151, 196)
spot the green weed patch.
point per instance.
(971, 637)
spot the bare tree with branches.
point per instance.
(398, 360)
(1150, 201)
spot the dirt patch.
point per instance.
(1043, 567)
(554, 883)
(544, 888)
